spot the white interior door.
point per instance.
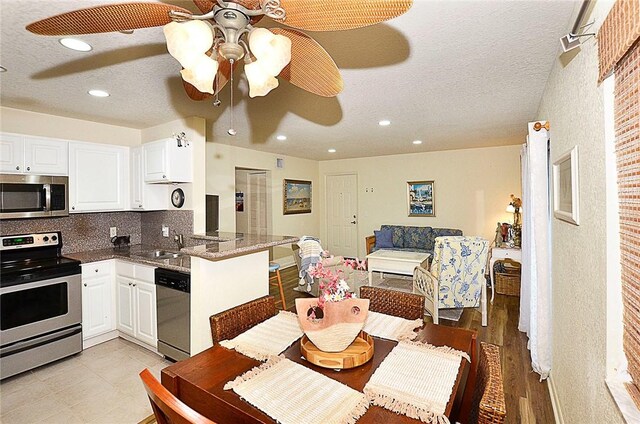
(257, 202)
(342, 207)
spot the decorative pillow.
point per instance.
(397, 232)
(383, 239)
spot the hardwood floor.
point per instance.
(527, 398)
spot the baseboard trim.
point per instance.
(555, 401)
(101, 338)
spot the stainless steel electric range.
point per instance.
(40, 302)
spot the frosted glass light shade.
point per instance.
(260, 80)
(202, 73)
(273, 51)
(187, 41)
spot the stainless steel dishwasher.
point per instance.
(173, 303)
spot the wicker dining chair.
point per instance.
(394, 302)
(488, 400)
(167, 408)
(232, 322)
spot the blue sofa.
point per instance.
(413, 239)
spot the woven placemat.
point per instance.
(416, 380)
(390, 327)
(269, 338)
(290, 393)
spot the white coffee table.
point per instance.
(395, 262)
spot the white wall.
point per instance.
(471, 188)
(40, 124)
(222, 161)
(573, 103)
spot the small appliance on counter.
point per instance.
(40, 302)
(121, 241)
(173, 300)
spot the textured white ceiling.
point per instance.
(455, 74)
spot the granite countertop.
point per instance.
(134, 254)
(220, 245)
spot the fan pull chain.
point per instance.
(231, 130)
(217, 101)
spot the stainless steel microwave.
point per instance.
(33, 196)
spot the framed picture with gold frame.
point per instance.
(296, 196)
(420, 198)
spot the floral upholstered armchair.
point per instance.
(457, 276)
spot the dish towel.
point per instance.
(269, 338)
(390, 327)
(416, 380)
(291, 393)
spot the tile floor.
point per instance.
(99, 385)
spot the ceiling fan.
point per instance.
(209, 45)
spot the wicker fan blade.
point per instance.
(311, 68)
(109, 18)
(335, 15)
(204, 5)
(224, 71)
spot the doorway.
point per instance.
(342, 208)
(253, 201)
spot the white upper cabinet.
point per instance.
(98, 177)
(145, 196)
(24, 154)
(167, 162)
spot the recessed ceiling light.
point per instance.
(417, 141)
(331, 150)
(75, 44)
(98, 93)
(384, 123)
(3, 69)
(281, 137)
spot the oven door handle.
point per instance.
(22, 345)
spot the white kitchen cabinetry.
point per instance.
(98, 177)
(166, 162)
(24, 154)
(136, 302)
(97, 299)
(145, 196)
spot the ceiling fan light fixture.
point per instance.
(272, 50)
(202, 73)
(260, 81)
(187, 41)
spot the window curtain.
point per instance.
(619, 50)
(535, 289)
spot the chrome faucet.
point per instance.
(179, 239)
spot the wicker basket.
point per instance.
(508, 281)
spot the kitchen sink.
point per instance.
(160, 254)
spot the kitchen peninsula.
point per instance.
(227, 269)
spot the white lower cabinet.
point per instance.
(136, 302)
(97, 299)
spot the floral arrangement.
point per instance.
(333, 287)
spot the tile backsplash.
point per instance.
(89, 231)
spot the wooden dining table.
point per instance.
(198, 381)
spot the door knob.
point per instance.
(353, 222)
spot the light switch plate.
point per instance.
(113, 231)
(165, 231)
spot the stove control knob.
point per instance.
(54, 238)
(45, 239)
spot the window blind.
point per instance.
(618, 33)
(627, 130)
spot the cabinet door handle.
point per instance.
(73, 207)
(139, 206)
(134, 284)
(17, 168)
(85, 284)
(96, 269)
(129, 283)
(28, 168)
(164, 176)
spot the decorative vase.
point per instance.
(335, 326)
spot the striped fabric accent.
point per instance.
(627, 128)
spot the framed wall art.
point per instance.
(420, 198)
(566, 188)
(296, 197)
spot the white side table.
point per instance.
(498, 253)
